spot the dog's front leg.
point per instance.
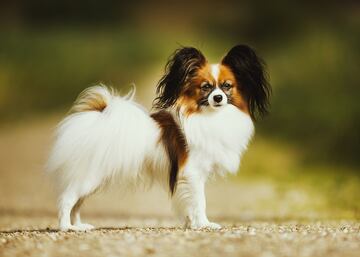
(190, 203)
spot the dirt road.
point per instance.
(142, 224)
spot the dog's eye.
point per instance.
(206, 87)
(226, 86)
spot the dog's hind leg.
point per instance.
(75, 216)
(67, 201)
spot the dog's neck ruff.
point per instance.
(217, 138)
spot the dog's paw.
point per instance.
(69, 228)
(84, 227)
(213, 225)
(77, 227)
(204, 225)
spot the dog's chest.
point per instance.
(216, 140)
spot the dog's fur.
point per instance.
(202, 126)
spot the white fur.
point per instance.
(215, 71)
(216, 140)
(93, 147)
(122, 143)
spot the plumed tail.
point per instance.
(131, 94)
(97, 98)
(94, 98)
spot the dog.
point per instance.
(201, 126)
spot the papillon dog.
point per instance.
(201, 126)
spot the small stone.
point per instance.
(150, 250)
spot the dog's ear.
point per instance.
(182, 65)
(251, 76)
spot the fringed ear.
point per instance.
(182, 65)
(249, 71)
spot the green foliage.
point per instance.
(42, 70)
(316, 96)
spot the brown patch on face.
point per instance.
(194, 94)
(197, 90)
(175, 144)
(233, 93)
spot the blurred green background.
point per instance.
(50, 51)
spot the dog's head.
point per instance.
(192, 84)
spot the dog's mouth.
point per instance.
(217, 105)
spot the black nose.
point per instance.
(217, 98)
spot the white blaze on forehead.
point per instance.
(215, 70)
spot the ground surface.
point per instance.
(141, 224)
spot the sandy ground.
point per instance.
(142, 224)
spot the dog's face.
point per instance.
(193, 85)
(214, 86)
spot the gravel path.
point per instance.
(256, 220)
(239, 239)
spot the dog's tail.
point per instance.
(97, 98)
(104, 136)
